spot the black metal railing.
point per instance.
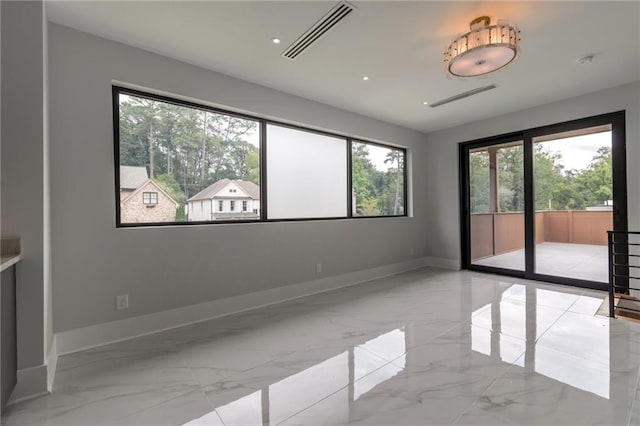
(624, 268)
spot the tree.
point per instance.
(548, 178)
(169, 183)
(555, 188)
(396, 177)
(377, 192)
(479, 181)
(595, 183)
(362, 181)
(511, 178)
(194, 147)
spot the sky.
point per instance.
(578, 151)
(377, 155)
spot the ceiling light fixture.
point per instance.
(365, 78)
(484, 49)
(275, 40)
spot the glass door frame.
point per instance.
(619, 177)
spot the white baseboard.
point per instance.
(31, 382)
(101, 334)
(35, 381)
(442, 262)
(52, 363)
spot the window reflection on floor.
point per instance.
(516, 328)
(373, 362)
(391, 346)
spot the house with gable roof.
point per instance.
(142, 200)
(225, 199)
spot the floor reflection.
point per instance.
(425, 347)
(510, 326)
(353, 372)
(550, 334)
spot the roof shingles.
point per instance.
(131, 177)
(212, 190)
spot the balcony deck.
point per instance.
(582, 261)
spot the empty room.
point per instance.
(319, 212)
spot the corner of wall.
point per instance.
(36, 381)
(32, 382)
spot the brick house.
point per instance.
(142, 200)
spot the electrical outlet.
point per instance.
(318, 268)
(122, 302)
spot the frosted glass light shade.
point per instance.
(482, 60)
(484, 49)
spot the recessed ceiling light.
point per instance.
(425, 103)
(275, 40)
(365, 78)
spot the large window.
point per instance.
(199, 164)
(306, 174)
(377, 176)
(190, 153)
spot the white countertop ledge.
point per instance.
(8, 260)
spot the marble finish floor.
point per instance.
(581, 261)
(426, 347)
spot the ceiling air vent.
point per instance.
(330, 20)
(462, 95)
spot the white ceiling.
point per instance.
(399, 45)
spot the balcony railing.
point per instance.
(498, 233)
(624, 274)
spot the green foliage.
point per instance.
(185, 149)
(479, 181)
(169, 183)
(555, 188)
(595, 183)
(377, 192)
(511, 178)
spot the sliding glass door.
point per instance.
(538, 203)
(496, 201)
(573, 183)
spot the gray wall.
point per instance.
(442, 156)
(169, 267)
(46, 191)
(23, 165)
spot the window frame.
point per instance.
(149, 195)
(262, 146)
(405, 192)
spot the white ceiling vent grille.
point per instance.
(320, 28)
(462, 95)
